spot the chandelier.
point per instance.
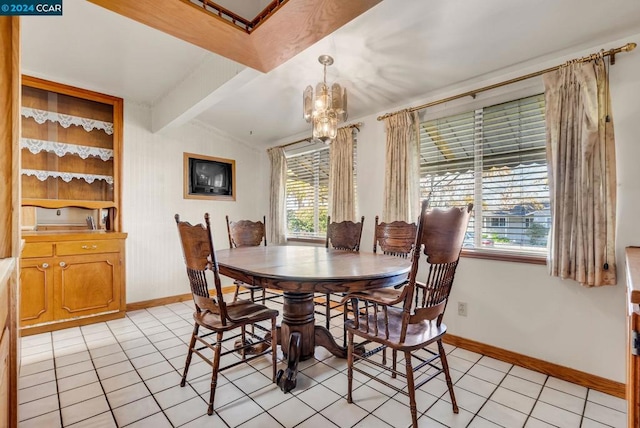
(327, 108)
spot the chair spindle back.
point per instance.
(199, 255)
(439, 238)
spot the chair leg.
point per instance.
(445, 368)
(328, 309)
(350, 367)
(214, 374)
(394, 362)
(243, 338)
(345, 318)
(274, 349)
(192, 345)
(411, 389)
(235, 293)
(264, 295)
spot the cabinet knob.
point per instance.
(87, 247)
(62, 264)
(45, 265)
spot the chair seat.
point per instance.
(245, 285)
(241, 311)
(418, 335)
(383, 296)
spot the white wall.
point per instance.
(153, 194)
(518, 306)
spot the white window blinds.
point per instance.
(494, 157)
(307, 194)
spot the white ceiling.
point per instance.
(399, 51)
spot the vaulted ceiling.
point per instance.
(393, 54)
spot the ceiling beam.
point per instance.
(294, 27)
(202, 88)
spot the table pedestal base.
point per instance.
(298, 316)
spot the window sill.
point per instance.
(471, 253)
(504, 256)
(320, 241)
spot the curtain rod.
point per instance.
(353, 125)
(611, 53)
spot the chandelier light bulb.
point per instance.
(327, 108)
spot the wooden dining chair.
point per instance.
(246, 233)
(410, 319)
(394, 239)
(344, 235)
(216, 316)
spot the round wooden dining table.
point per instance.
(301, 271)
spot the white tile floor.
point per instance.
(127, 372)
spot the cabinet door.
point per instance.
(36, 291)
(86, 285)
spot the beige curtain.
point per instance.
(341, 183)
(582, 174)
(276, 223)
(401, 177)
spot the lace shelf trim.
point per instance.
(66, 120)
(61, 149)
(66, 176)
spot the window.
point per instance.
(498, 222)
(307, 194)
(494, 157)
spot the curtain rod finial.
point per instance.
(629, 47)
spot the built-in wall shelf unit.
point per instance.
(72, 263)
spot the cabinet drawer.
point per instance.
(87, 247)
(37, 249)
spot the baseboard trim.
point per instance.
(76, 322)
(578, 377)
(145, 304)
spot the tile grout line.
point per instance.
(55, 374)
(167, 360)
(84, 339)
(141, 378)
(529, 416)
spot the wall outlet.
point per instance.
(462, 309)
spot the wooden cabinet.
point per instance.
(36, 291)
(71, 144)
(633, 336)
(66, 278)
(87, 285)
